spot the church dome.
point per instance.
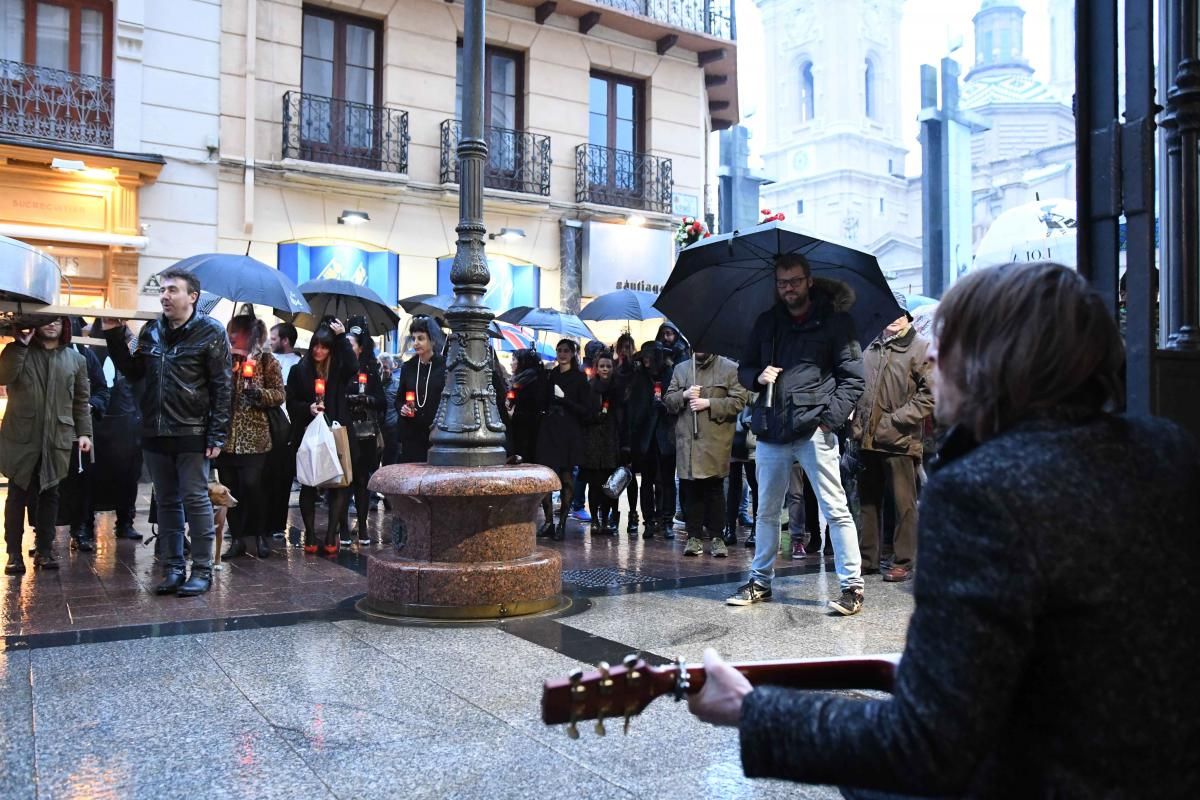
(1004, 89)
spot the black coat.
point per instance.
(1037, 663)
(529, 408)
(560, 436)
(822, 364)
(365, 413)
(427, 391)
(605, 429)
(185, 377)
(302, 388)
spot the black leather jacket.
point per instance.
(184, 377)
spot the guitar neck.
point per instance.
(873, 672)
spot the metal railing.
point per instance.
(714, 17)
(613, 177)
(517, 161)
(55, 105)
(331, 131)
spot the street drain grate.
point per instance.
(604, 576)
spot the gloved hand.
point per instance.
(358, 400)
(252, 395)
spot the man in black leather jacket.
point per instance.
(182, 366)
(804, 354)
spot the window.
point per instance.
(869, 89)
(503, 88)
(807, 107)
(799, 207)
(1006, 48)
(70, 35)
(339, 74)
(615, 123)
(881, 206)
(983, 53)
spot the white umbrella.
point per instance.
(1044, 230)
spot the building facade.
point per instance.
(108, 138)
(339, 122)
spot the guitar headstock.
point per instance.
(608, 692)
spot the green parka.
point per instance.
(47, 411)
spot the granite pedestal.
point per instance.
(465, 543)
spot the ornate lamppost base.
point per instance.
(465, 543)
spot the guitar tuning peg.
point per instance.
(576, 676)
(604, 668)
(630, 661)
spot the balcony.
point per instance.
(712, 17)
(622, 178)
(331, 131)
(54, 105)
(517, 161)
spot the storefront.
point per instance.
(81, 207)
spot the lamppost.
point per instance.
(463, 538)
(468, 431)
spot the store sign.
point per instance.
(513, 282)
(625, 257)
(378, 270)
(45, 207)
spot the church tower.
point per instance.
(833, 139)
(1000, 40)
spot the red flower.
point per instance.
(707, 235)
(778, 217)
(765, 212)
(697, 227)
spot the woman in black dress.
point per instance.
(422, 379)
(605, 439)
(560, 436)
(365, 397)
(525, 403)
(331, 359)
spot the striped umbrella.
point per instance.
(511, 336)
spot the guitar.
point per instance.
(625, 691)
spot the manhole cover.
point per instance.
(604, 576)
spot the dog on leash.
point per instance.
(222, 501)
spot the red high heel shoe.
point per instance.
(311, 548)
(331, 549)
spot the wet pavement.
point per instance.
(272, 685)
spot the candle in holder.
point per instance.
(362, 382)
(588, 371)
(657, 391)
(604, 407)
(410, 398)
(510, 395)
(320, 390)
(247, 373)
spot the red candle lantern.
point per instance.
(410, 398)
(362, 382)
(510, 395)
(588, 371)
(320, 390)
(604, 407)
(248, 369)
(658, 391)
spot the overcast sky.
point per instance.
(926, 28)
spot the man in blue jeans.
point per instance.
(183, 370)
(804, 352)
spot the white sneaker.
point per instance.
(364, 542)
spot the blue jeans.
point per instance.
(181, 489)
(820, 460)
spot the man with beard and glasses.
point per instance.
(47, 414)
(804, 355)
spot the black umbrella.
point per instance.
(720, 285)
(345, 299)
(427, 305)
(547, 319)
(245, 279)
(623, 304)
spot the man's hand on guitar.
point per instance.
(720, 701)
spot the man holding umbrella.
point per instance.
(806, 363)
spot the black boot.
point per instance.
(750, 541)
(125, 530)
(648, 533)
(668, 529)
(173, 578)
(730, 535)
(236, 550)
(264, 546)
(633, 523)
(614, 522)
(45, 560)
(15, 565)
(560, 530)
(199, 583)
(546, 531)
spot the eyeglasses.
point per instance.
(791, 283)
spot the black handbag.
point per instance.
(281, 426)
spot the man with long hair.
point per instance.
(47, 414)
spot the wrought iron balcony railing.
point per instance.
(714, 17)
(622, 178)
(331, 131)
(517, 161)
(58, 106)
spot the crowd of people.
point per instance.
(704, 443)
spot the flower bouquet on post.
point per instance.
(690, 231)
(770, 216)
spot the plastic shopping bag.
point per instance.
(317, 459)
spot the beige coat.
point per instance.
(705, 455)
(891, 412)
(48, 410)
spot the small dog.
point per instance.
(222, 501)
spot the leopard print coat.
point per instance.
(249, 431)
